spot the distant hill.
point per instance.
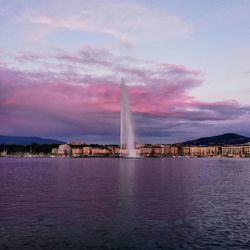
(21, 140)
(224, 139)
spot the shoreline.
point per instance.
(118, 157)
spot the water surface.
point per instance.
(108, 203)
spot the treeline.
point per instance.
(33, 148)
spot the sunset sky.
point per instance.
(186, 64)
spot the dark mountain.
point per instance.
(225, 139)
(20, 140)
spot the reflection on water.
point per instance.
(127, 176)
(124, 203)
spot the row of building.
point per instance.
(153, 150)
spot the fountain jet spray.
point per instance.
(127, 130)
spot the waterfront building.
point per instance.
(232, 151)
(201, 151)
(157, 151)
(167, 150)
(3, 153)
(186, 151)
(112, 150)
(95, 151)
(175, 151)
(246, 150)
(146, 151)
(117, 151)
(195, 151)
(105, 152)
(54, 151)
(100, 152)
(86, 151)
(64, 150)
(214, 150)
(76, 152)
(122, 151)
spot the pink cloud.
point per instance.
(74, 103)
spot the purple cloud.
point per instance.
(79, 97)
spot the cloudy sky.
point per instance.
(186, 64)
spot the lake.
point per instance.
(112, 203)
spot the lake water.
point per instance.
(108, 203)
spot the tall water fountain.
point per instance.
(127, 131)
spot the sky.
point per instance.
(186, 64)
